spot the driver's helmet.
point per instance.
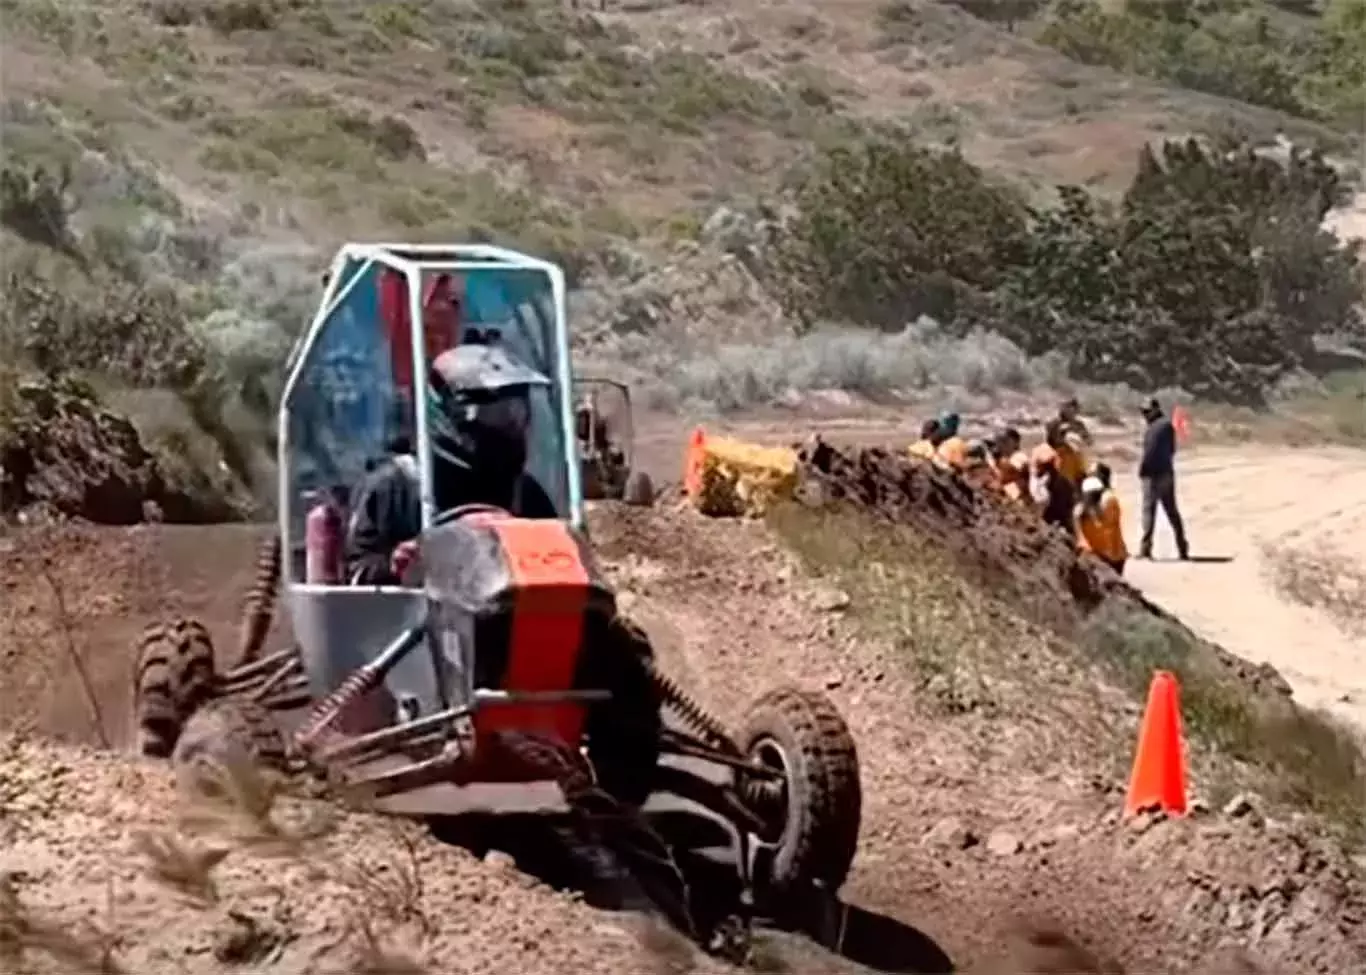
(480, 408)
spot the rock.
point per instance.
(831, 601)
(245, 940)
(1003, 844)
(1242, 805)
(1145, 821)
(1058, 834)
(950, 833)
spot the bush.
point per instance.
(1212, 274)
(33, 204)
(1313, 70)
(889, 231)
(871, 364)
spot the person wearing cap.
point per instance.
(479, 417)
(952, 450)
(924, 448)
(1068, 420)
(1100, 526)
(1054, 495)
(1157, 475)
(1067, 434)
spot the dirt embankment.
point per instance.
(966, 828)
(1002, 547)
(63, 453)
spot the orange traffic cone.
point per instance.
(1158, 780)
(692, 463)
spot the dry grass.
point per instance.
(1335, 413)
(1323, 579)
(1295, 754)
(77, 660)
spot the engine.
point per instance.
(514, 604)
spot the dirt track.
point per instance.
(731, 615)
(1237, 503)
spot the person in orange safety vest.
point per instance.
(953, 449)
(1054, 495)
(1011, 465)
(1100, 524)
(924, 448)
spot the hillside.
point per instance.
(230, 145)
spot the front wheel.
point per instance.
(174, 676)
(813, 814)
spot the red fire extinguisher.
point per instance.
(323, 542)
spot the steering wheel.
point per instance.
(462, 510)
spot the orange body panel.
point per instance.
(547, 627)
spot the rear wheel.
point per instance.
(174, 676)
(624, 731)
(813, 814)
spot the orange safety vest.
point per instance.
(954, 452)
(1101, 531)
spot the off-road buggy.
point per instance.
(604, 429)
(509, 670)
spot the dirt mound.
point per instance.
(101, 871)
(999, 546)
(975, 817)
(1005, 547)
(61, 451)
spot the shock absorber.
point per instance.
(259, 609)
(712, 730)
(360, 683)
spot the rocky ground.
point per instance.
(970, 830)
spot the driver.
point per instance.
(479, 415)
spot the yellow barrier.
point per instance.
(743, 479)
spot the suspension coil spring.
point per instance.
(693, 713)
(327, 710)
(259, 608)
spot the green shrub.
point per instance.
(1212, 274)
(33, 205)
(888, 231)
(1235, 50)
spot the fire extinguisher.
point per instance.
(323, 542)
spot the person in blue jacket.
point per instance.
(1157, 474)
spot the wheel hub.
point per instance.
(768, 798)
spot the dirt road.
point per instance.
(1242, 507)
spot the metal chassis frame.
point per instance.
(625, 389)
(276, 682)
(435, 257)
